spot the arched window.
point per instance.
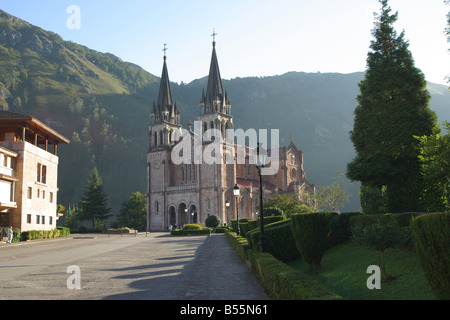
(161, 138)
(155, 135)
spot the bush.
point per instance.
(193, 226)
(278, 279)
(183, 232)
(239, 244)
(280, 241)
(340, 228)
(359, 223)
(212, 221)
(431, 235)
(268, 212)
(59, 232)
(282, 282)
(311, 232)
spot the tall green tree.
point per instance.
(392, 108)
(94, 202)
(435, 161)
(134, 212)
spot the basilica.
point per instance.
(189, 192)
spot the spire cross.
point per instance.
(214, 36)
(165, 50)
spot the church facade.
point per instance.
(185, 192)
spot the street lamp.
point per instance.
(227, 204)
(260, 159)
(236, 192)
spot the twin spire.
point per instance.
(165, 110)
(215, 100)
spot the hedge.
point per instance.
(311, 232)
(278, 279)
(190, 232)
(282, 282)
(59, 232)
(340, 228)
(431, 236)
(239, 244)
(280, 241)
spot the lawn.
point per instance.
(345, 273)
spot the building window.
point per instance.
(50, 220)
(30, 193)
(41, 174)
(43, 220)
(51, 197)
(38, 218)
(157, 206)
(28, 218)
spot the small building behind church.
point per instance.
(178, 194)
(28, 172)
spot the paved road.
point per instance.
(147, 267)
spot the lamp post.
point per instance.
(227, 205)
(260, 160)
(236, 192)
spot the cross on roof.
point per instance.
(214, 36)
(165, 50)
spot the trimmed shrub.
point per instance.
(280, 241)
(311, 232)
(59, 232)
(192, 226)
(239, 244)
(431, 235)
(183, 232)
(359, 223)
(340, 228)
(212, 221)
(234, 223)
(253, 224)
(269, 212)
(282, 282)
(243, 228)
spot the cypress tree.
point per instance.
(392, 108)
(94, 202)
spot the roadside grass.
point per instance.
(346, 267)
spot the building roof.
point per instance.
(244, 183)
(17, 120)
(214, 90)
(165, 110)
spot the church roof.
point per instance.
(165, 110)
(214, 90)
(165, 93)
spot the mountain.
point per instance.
(103, 104)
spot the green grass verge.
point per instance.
(345, 273)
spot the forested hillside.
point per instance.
(102, 104)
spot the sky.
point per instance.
(255, 38)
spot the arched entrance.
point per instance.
(193, 214)
(183, 215)
(172, 216)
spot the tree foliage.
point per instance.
(392, 108)
(288, 203)
(435, 165)
(94, 202)
(134, 212)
